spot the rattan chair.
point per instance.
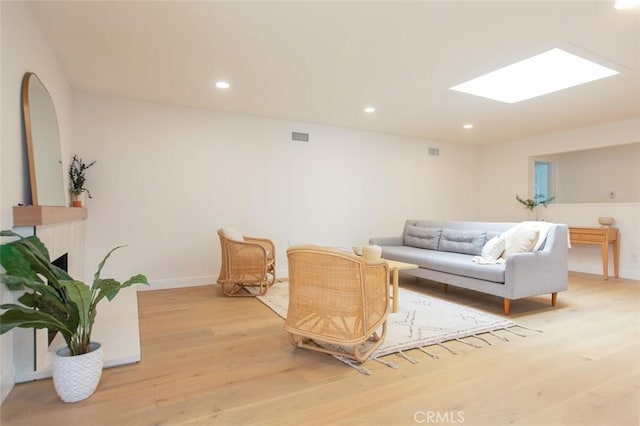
(248, 264)
(338, 302)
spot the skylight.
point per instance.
(547, 72)
(627, 4)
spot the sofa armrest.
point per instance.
(386, 241)
(539, 272)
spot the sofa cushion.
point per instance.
(491, 234)
(452, 263)
(462, 241)
(426, 238)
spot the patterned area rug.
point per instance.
(421, 321)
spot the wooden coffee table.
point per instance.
(394, 268)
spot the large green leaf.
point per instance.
(37, 264)
(136, 279)
(80, 294)
(9, 233)
(96, 276)
(36, 246)
(19, 316)
(52, 307)
(47, 299)
(60, 273)
(15, 283)
(44, 289)
(110, 288)
(14, 263)
(36, 253)
(106, 287)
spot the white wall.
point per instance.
(589, 176)
(167, 178)
(505, 172)
(24, 49)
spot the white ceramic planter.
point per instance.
(76, 377)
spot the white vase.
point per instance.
(539, 212)
(76, 377)
(371, 252)
(536, 214)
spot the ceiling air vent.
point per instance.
(434, 151)
(300, 136)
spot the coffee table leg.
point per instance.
(395, 290)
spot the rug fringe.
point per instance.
(504, 339)
(488, 342)
(517, 334)
(473, 345)
(353, 364)
(408, 358)
(434, 356)
(387, 363)
(447, 348)
(528, 328)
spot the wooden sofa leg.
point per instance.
(446, 288)
(554, 299)
(507, 306)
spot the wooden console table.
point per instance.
(602, 237)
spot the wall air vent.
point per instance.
(434, 151)
(300, 136)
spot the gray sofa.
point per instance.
(448, 258)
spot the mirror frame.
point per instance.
(29, 136)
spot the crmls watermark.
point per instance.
(438, 417)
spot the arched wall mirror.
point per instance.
(43, 144)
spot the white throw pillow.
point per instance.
(519, 239)
(542, 227)
(233, 234)
(493, 249)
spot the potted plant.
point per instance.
(532, 203)
(55, 301)
(77, 171)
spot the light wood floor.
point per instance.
(207, 359)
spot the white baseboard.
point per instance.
(166, 284)
(178, 283)
(597, 270)
(631, 274)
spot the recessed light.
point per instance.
(626, 4)
(468, 126)
(547, 72)
(369, 110)
(222, 84)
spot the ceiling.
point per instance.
(323, 62)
